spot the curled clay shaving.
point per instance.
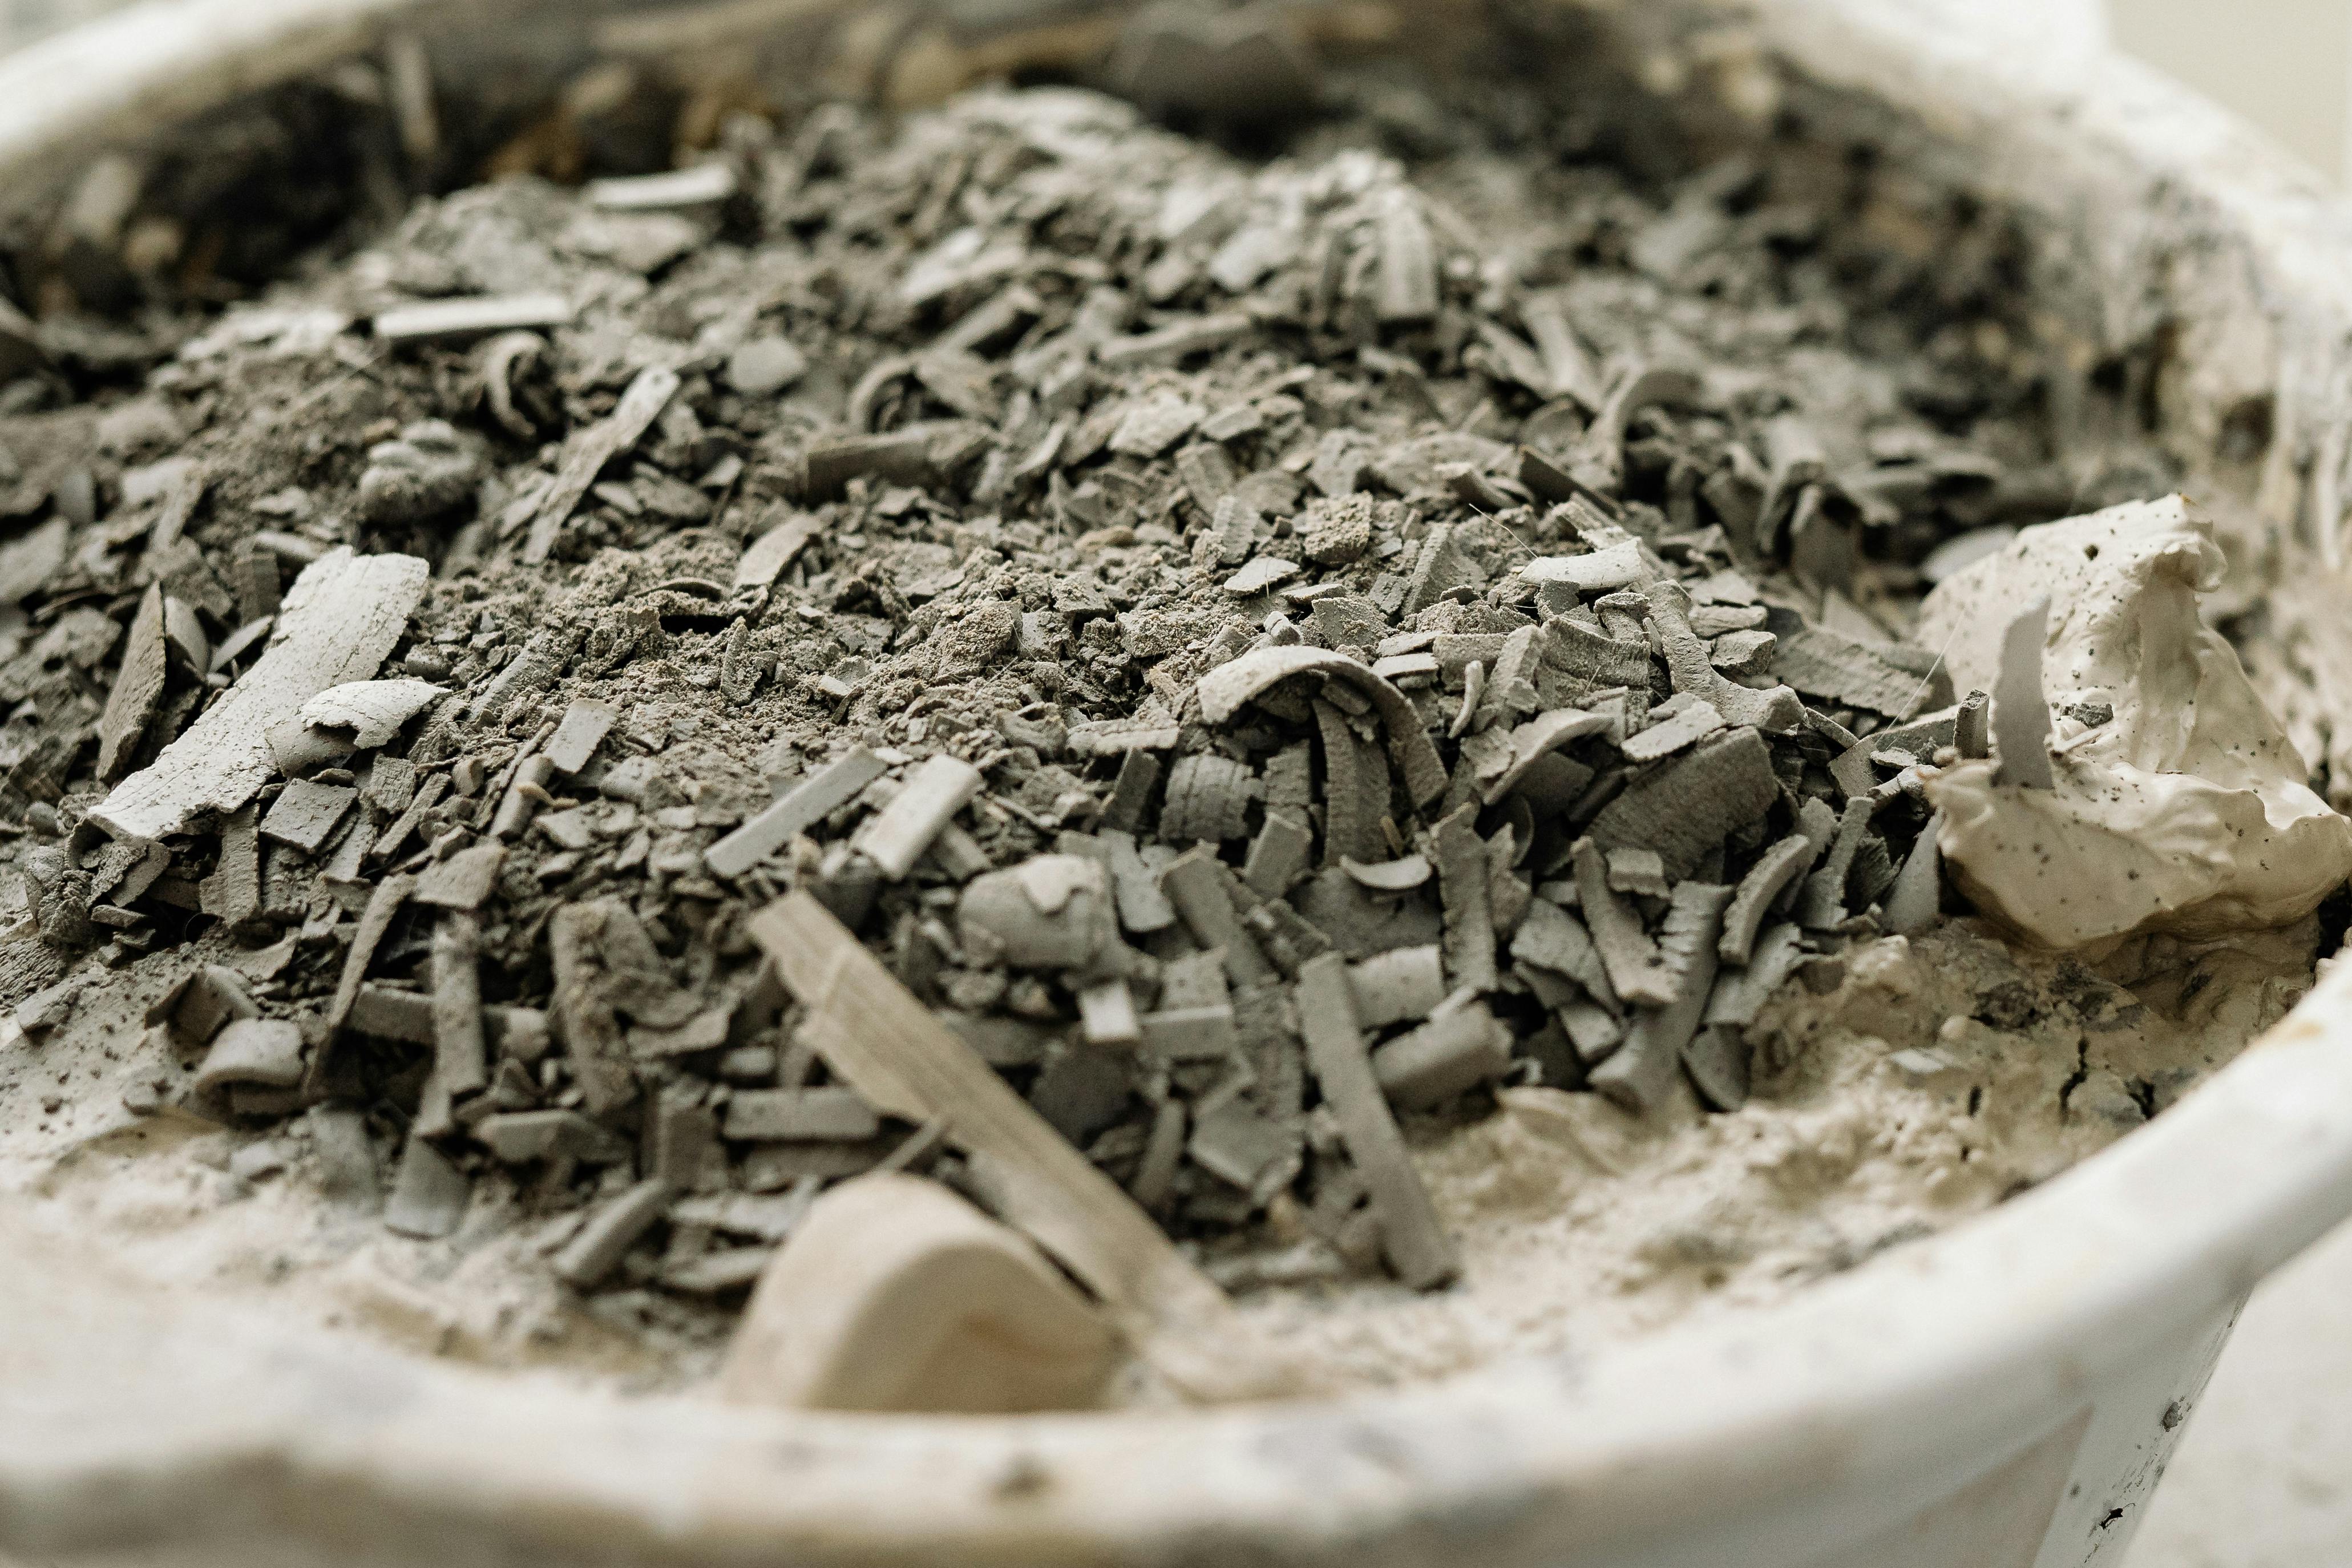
(2187, 811)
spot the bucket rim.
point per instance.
(123, 1418)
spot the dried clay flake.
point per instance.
(340, 618)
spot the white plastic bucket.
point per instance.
(2002, 1398)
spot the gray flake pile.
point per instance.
(1199, 621)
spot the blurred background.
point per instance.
(2284, 64)
(2287, 65)
(2263, 1478)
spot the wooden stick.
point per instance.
(885, 1044)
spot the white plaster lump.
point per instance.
(2187, 812)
